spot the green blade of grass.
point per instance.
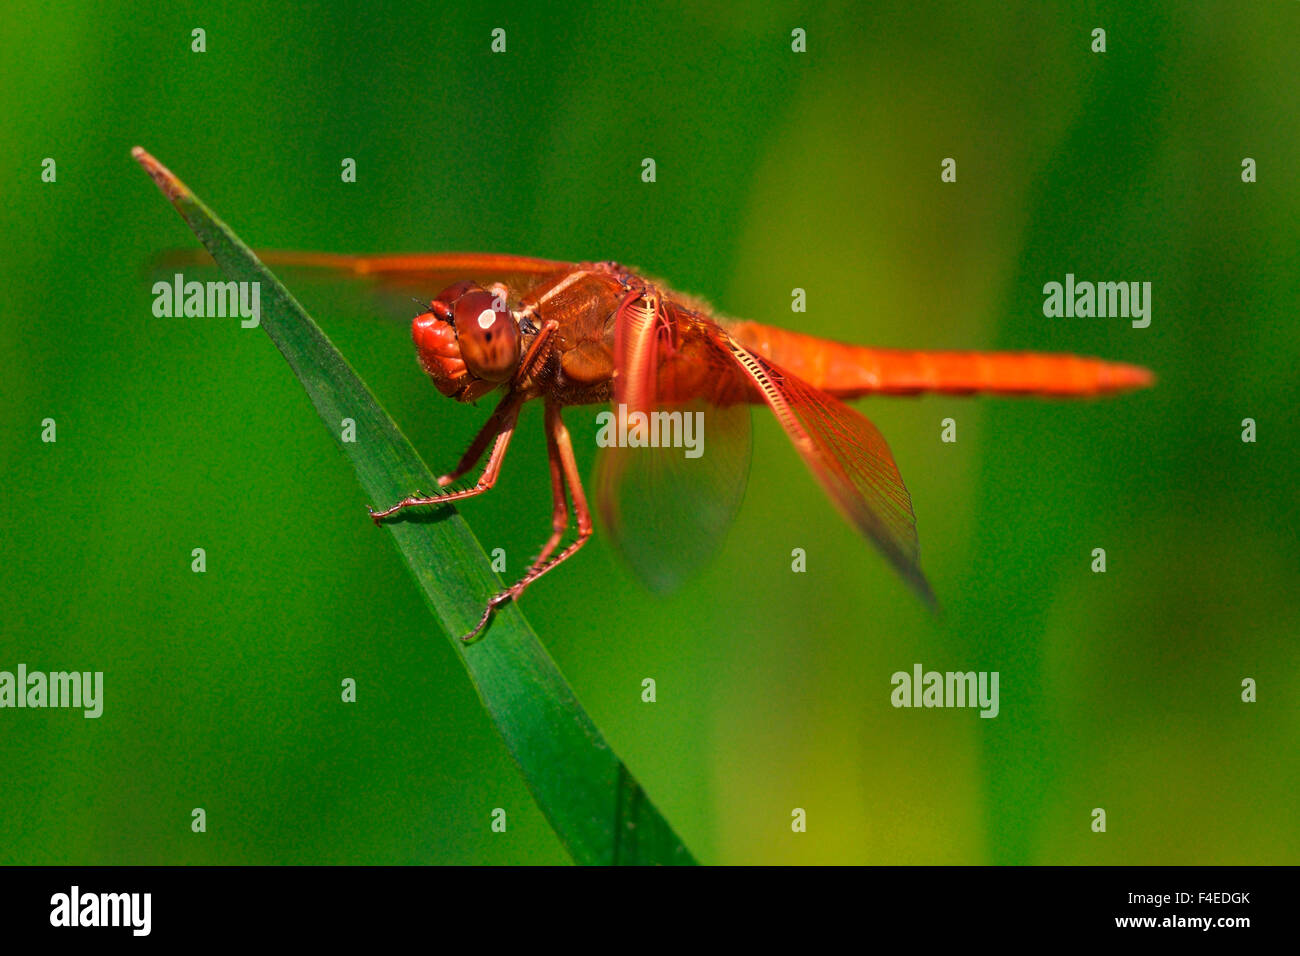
(596, 807)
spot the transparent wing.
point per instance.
(667, 513)
(667, 504)
(386, 282)
(850, 459)
(424, 270)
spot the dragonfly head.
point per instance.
(469, 341)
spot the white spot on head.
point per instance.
(486, 318)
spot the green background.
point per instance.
(776, 170)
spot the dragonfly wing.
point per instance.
(848, 456)
(667, 513)
(388, 282)
(667, 508)
(433, 271)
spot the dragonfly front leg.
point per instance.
(504, 413)
(564, 470)
(500, 426)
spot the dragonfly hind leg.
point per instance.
(564, 471)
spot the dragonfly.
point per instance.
(600, 333)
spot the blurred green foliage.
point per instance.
(775, 170)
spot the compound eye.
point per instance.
(442, 305)
(488, 336)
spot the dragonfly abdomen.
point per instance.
(849, 371)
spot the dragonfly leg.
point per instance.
(490, 430)
(561, 446)
(501, 427)
(560, 511)
(537, 352)
(507, 409)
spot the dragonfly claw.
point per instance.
(504, 597)
(480, 626)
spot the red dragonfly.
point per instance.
(598, 332)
